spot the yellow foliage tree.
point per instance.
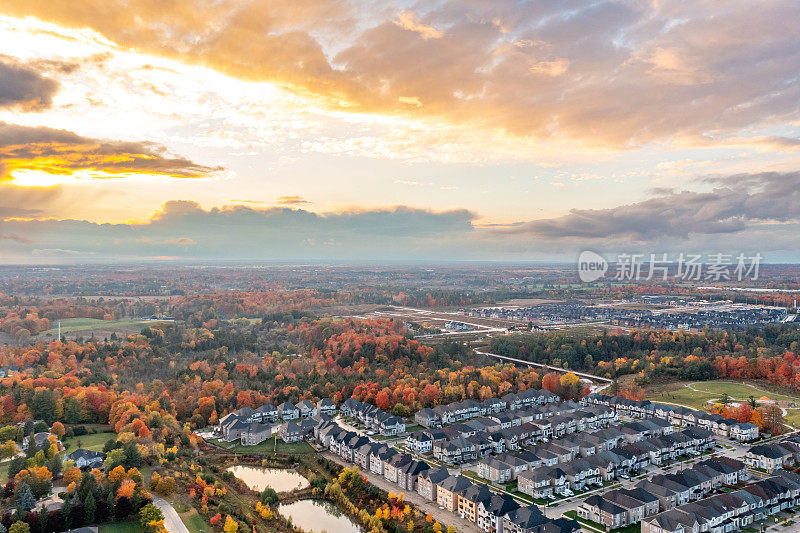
(8, 449)
(231, 526)
(117, 474)
(72, 474)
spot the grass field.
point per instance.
(697, 394)
(792, 417)
(4, 471)
(74, 325)
(93, 441)
(194, 522)
(122, 527)
(266, 447)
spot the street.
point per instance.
(172, 521)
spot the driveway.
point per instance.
(172, 521)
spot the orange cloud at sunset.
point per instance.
(59, 152)
(611, 73)
(551, 124)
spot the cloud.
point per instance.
(736, 204)
(22, 86)
(16, 238)
(748, 213)
(55, 252)
(602, 73)
(408, 20)
(291, 200)
(184, 229)
(61, 152)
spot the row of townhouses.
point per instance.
(474, 502)
(373, 418)
(773, 456)
(677, 415)
(462, 442)
(586, 460)
(664, 492)
(469, 409)
(730, 511)
(253, 426)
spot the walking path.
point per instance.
(172, 520)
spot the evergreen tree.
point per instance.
(25, 498)
(89, 508)
(43, 519)
(15, 466)
(31, 448)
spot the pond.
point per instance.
(259, 477)
(318, 516)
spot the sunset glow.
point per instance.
(527, 120)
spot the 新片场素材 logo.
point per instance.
(591, 266)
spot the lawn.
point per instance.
(679, 393)
(684, 396)
(740, 391)
(122, 527)
(792, 417)
(74, 325)
(92, 441)
(266, 447)
(194, 522)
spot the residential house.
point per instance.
(449, 490)
(492, 512)
(291, 432)
(326, 407)
(428, 418)
(470, 499)
(419, 442)
(87, 459)
(768, 457)
(288, 411)
(428, 481)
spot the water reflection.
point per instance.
(259, 477)
(318, 516)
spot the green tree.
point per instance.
(15, 466)
(89, 508)
(269, 496)
(25, 498)
(149, 516)
(19, 527)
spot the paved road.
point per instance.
(440, 515)
(172, 521)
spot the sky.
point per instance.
(437, 130)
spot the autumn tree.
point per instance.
(58, 430)
(151, 518)
(231, 526)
